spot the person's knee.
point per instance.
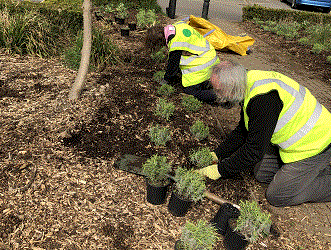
(273, 198)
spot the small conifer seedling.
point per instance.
(164, 109)
(199, 130)
(190, 185)
(159, 135)
(252, 222)
(156, 170)
(158, 76)
(166, 90)
(190, 103)
(201, 157)
(201, 235)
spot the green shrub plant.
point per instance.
(165, 90)
(190, 103)
(253, 223)
(159, 135)
(146, 18)
(201, 157)
(199, 130)
(121, 11)
(164, 109)
(199, 235)
(158, 75)
(156, 169)
(189, 185)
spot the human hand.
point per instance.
(210, 172)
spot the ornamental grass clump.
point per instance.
(164, 109)
(146, 19)
(190, 185)
(201, 157)
(166, 90)
(201, 235)
(156, 170)
(121, 11)
(252, 222)
(159, 135)
(190, 103)
(199, 130)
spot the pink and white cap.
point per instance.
(169, 30)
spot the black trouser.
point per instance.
(202, 91)
(307, 180)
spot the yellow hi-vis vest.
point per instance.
(304, 126)
(195, 68)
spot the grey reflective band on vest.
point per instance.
(187, 61)
(208, 33)
(191, 46)
(290, 113)
(200, 67)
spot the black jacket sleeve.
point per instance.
(246, 148)
(172, 68)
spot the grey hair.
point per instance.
(233, 78)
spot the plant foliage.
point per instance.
(121, 10)
(252, 222)
(158, 75)
(159, 135)
(201, 235)
(201, 157)
(199, 130)
(189, 185)
(156, 169)
(160, 56)
(164, 109)
(190, 103)
(165, 90)
(146, 18)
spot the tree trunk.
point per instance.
(86, 52)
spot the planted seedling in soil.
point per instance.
(199, 130)
(164, 109)
(190, 103)
(202, 157)
(201, 235)
(252, 222)
(160, 56)
(165, 90)
(156, 169)
(190, 185)
(159, 135)
(158, 76)
(146, 19)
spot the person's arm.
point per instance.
(263, 112)
(172, 65)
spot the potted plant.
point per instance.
(132, 26)
(251, 225)
(146, 19)
(125, 31)
(201, 235)
(121, 13)
(189, 188)
(156, 170)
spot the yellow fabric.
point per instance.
(310, 144)
(203, 55)
(219, 39)
(210, 172)
(215, 158)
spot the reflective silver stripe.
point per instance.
(192, 58)
(305, 128)
(191, 46)
(185, 19)
(208, 33)
(200, 67)
(299, 99)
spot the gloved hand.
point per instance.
(221, 219)
(215, 158)
(210, 172)
(162, 81)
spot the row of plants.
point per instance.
(316, 35)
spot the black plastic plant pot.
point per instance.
(222, 217)
(125, 32)
(177, 206)
(132, 26)
(119, 20)
(234, 240)
(178, 245)
(156, 195)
